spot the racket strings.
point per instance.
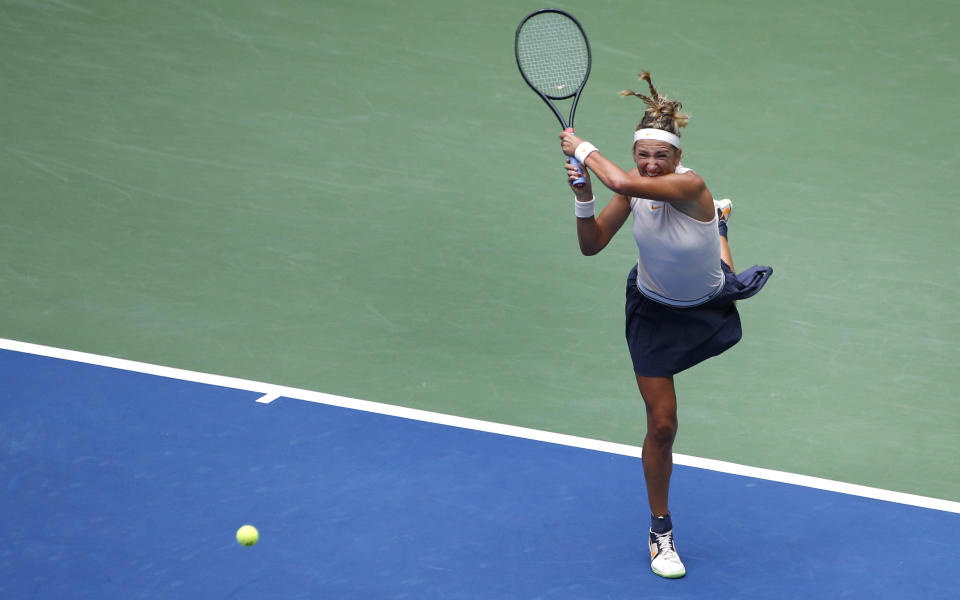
(553, 54)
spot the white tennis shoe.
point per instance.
(724, 209)
(664, 560)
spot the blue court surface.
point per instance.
(122, 484)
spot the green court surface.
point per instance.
(364, 198)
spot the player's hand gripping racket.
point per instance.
(553, 55)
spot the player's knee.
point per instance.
(663, 430)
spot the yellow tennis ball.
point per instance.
(248, 535)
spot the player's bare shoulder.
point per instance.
(692, 181)
(690, 174)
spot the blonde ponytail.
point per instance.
(661, 112)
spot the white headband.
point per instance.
(657, 134)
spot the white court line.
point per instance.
(272, 392)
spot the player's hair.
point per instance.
(662, 112)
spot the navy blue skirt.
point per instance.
(664, 340)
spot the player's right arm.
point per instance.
(594, 233)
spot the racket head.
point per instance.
(553, 53)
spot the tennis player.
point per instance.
(680, 305)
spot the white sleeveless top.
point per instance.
(679, 262)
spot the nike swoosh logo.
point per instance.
(656, 207)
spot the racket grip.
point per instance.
(579, 181)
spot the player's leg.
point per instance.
(660, 398)
(725, 254)
(724, 210)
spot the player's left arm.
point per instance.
(673, 187)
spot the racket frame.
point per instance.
(567, 124)
(549, 98)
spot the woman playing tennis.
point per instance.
(680, 306)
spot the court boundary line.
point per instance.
(270, 391)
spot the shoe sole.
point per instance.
(667, 575)
(726, 210)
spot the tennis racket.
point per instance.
(553, 56)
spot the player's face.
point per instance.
(654, 157)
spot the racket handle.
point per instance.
(579, 181)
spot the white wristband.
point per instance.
(583, 210)
(583, 151)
